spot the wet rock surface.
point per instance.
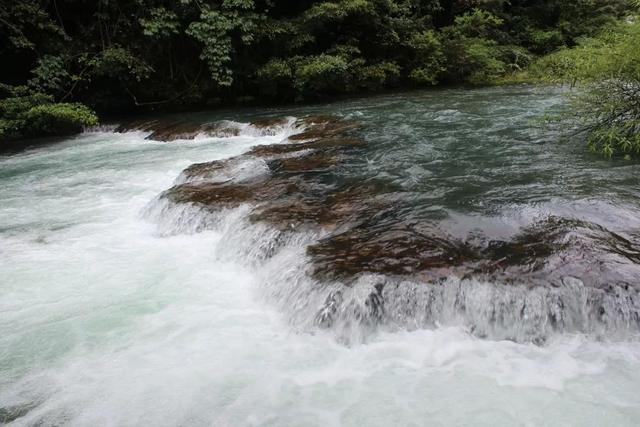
(542, 254)
(173, 130)
(328, 208)
(365, 230)
(168, 130)
(290, 186)
(284, 182)
(323, 127)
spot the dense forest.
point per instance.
(62, 59)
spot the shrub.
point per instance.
(516, 57)
(35, 114)
(429, 59)
(322, 74)
(50, 75)
(472, 54)
(606, 105)
(275, 76)
(58, 119)
(478, 23)
(473, 60)
(374, 77)
(14, 106)
(543, 42)
(615, 140)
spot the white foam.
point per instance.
(113, 315)
(226, 129)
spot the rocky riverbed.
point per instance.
(578, 274)
(431, 257)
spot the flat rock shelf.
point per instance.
(423, 258)
(557, 273)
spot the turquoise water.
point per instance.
(118, 310)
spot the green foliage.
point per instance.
(274, 76)
(275, 69)
(161, 23)
(332, 11)
(477, 23)
(428, 58)
(19, 19)
(58, 119)
(119, 63)
(473, 60)
(214, 30)
(606, 104)
(325, 74)
(25, 114)
(322, 74)
(617, 139)
(14, 107)
(376, 76)
(471, 51)
(116, 55)
(516, 58)
(543, 41)
(588, 17)
(50, 75)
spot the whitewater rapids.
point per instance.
(115, 311)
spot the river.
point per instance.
(120, 306)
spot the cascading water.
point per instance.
(445, 262)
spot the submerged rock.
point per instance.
(326, 208)
(269, 123)
(167, 130)
(316, 127)
(534, 279)
(393, 249)
(542, 254)
(225, 195)
(281, 182)
(205, 171)
(284, 184)
(177, 129)
(275, 150)
(236, 169)
(316, 161)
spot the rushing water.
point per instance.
(118, 309)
